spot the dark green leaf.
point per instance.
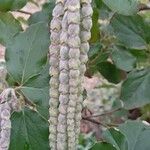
(29, 131)
(6, 5)
(137, 135)
(44, 15)
(95, 31)
(27, 69)
(141, 56)
(27, 54)
(86, 141)
(96, 54)
(135, 90)
(124, 7)
(123, 59)
(116, 138)
(9, 27)
(103, 146)
(121, 113)
(37, 88)
(132, 31)
(98, 3)
(110, 72)
(95, 49)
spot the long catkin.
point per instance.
(63, 86)
(8, 103)
(73, 17)
(85, 35)
(55, 29)
(70, 32)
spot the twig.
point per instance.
(24, 12)
(143, 7)
(94, 121)
(103, 114)
(100, 123)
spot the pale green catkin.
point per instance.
(63, 86)
(70, 32)
(55, 29)
(73, 17)
(85, 35)
(8, 103)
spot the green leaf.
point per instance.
(110, 72)
(29, 131)
(98, 3)
(135, 89)
(45, 15)
(9, 27)
(123, 59)
(27, 54)
(116, 138)
(137, 135)
(6, 5)
(103, 146)
(26, 59)
(37, 88)
(121, 113)
(95, 31)
(124, 7)
(86, 141)
(95, 49)
(132, 31)
(141, 56)
(131, 135)
(96, 56)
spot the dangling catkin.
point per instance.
(63, 86)
(8, 103)
(73, 17)
(70, 32)
(85, 35)
(55, 28)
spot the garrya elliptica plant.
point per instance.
(70, 32)
(114, 55)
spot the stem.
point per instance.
(109, 125)
(18, 88)
(143, 7)
(94, 121)
(103, 114)
(24, 12)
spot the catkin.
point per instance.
(73, 18)
(63, 86)
(55, 29)
(85, 35)
(8, 103)
(70, 32)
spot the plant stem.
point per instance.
(103, 114)
(24, 12)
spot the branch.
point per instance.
(143, 7)
(103, 114)
(99, 123)
(24, 12)
(94, 121)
